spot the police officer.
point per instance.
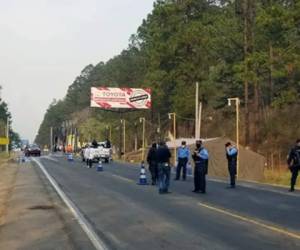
(152, 161)
(183, 155)
(200, 157)
(95, 144)
(163, 155)
(231, 154)
(293, 162)
(107, 143)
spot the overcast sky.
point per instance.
(44, 44)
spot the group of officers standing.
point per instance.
(160, 168)
(159, 165)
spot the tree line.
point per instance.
(5, 116)
(244, 48)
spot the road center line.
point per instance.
(98, 243)
(85, 225)
(251, 220)
(50, 158)
(122, 178)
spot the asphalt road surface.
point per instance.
(129, 216)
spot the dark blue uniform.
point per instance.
(232, 154)
(163, 156)
(152, 161)
(294, 165)
(201, 168)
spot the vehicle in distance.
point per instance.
(103, 152)
(32, 150)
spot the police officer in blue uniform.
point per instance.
(293, 162)
(231, 154)
(200, 157)
(183, 155)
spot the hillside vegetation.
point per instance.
(244, 48)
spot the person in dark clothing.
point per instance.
(200, 157)
(232, 157)
(163, 156)
(152, 161)
(293, 162)
(107, 143)
(94, 144)
(183, 158)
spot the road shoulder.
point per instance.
(35, 217)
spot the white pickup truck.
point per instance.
(102, 152)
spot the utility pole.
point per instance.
(237, 110)
(135, 137)
(199, 120)
(143, 120)
(197, 111)
(75, 139)
(159, 128)
(51, 139)
(124, 137)
(110, 133)
(174, 131)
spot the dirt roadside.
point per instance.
(31, 214)
(7, 179)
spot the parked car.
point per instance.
(103, 152)
(32, 150)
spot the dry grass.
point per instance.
(4, 157)
(278, 176)
(7, 179)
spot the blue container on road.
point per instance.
(99, 167)
(70, 157)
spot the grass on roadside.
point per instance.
(3, 157)
(279, 177)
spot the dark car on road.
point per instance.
(32, 150)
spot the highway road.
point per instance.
(129, 216)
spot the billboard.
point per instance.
(120, 98)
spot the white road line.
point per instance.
(122, 178)
(85, 225)
(50, 158)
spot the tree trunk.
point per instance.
(248, 17)
(271, 69)
(256, 114)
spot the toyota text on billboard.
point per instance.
(127, 98)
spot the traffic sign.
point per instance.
(4, 141)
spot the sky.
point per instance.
(44, 45)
